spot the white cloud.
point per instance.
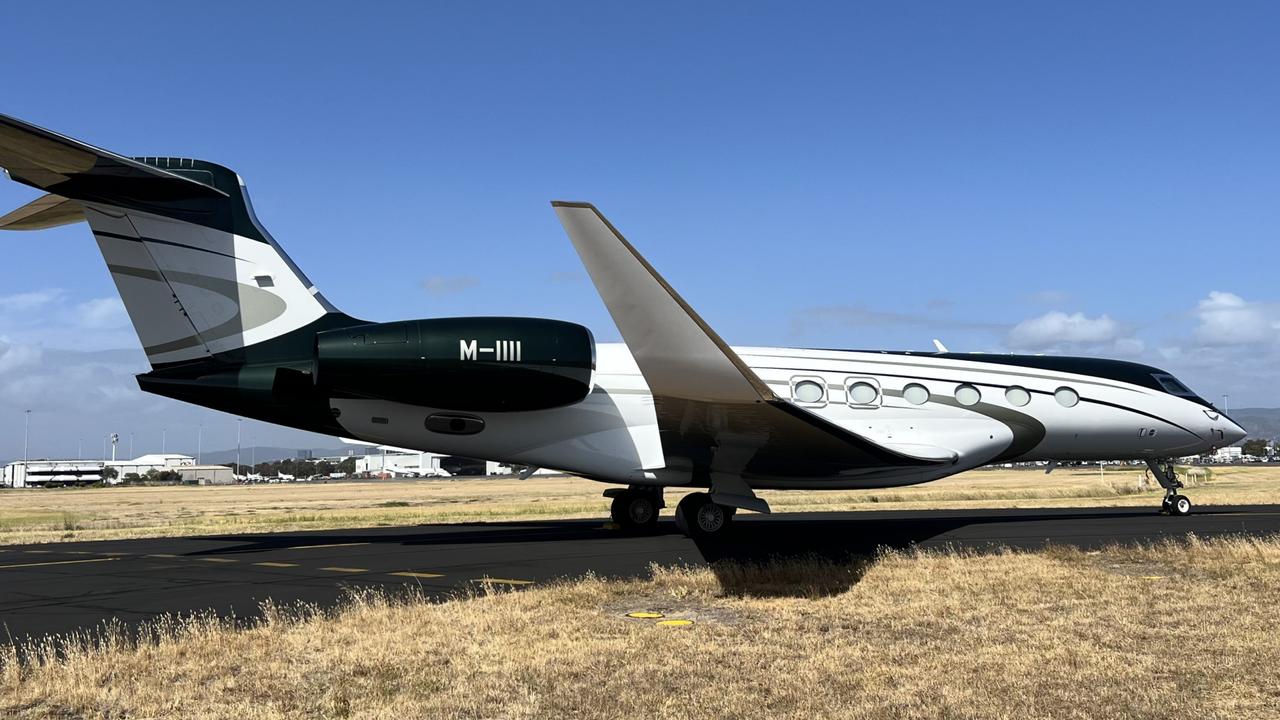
(442, 285)
(29, 301)
(13, 357)
(105, 312)
(1228, 319)
(1058, 328)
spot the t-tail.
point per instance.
(218, 306)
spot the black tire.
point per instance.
(1179, 506)
(634, 510)
(698, 517)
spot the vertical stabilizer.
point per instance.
(198, 274)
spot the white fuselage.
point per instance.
(612, 435)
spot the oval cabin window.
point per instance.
(1017, 396)
(861, 393)
(915, 394)
(808, 391)
(968, 395)
(1066, 397)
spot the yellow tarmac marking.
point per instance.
(675, 623)
(504, 581)
(417, 574)
(57, 562)
(218, 560)
(345, 569)
(1152, 577)
(276, 564)
(645, 615)
(313, 547)
(162, 555)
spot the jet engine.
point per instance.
(473, 364)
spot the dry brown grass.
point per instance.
(32, 516)
(1167, 631)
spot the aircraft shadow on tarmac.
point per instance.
(836, 546)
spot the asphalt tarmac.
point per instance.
(66, 587)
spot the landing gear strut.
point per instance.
(1173, 503)
(636, 508)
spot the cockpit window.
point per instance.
(1172, 386)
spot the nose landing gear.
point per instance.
(1173, 503)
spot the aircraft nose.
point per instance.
(1234, 433)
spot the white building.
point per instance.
(1231, 453)
(401, 464)
(52, 473)
(155, 461)
(206, 475)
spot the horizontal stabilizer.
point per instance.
(44, 212)
(65, 166)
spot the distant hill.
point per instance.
(1259, 422)
(271, 454)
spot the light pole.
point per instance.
(164, 440)
(199, 441)
(131, 455)
(239, 423)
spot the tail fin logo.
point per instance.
(501, 351)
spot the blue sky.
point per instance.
(1069, 178)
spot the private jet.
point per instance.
(229, 322)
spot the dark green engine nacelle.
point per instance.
(477, 364)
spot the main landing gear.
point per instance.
(1173, 503)
(635, 509)
(698, 516)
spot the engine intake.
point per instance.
(475, 364)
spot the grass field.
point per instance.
(1171, 631)
(35, 516)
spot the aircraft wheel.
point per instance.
(1179, 505)
(697, 516)
(635, 510)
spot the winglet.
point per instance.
(678, 353)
